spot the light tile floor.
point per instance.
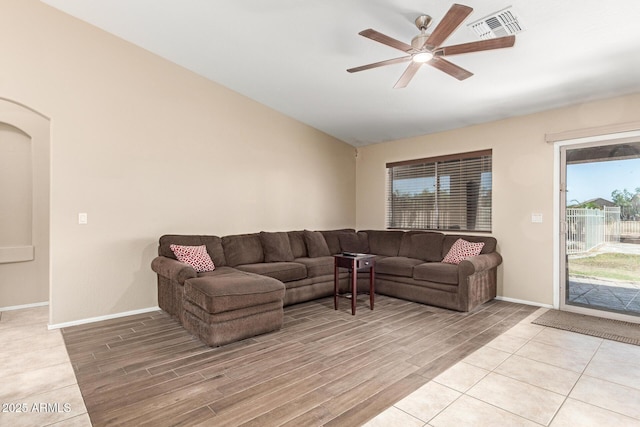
(38, 386)
(529, 376)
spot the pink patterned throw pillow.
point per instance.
(196, 256)
(462, 250)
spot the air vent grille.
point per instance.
(499, 24)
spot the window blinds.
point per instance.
(441, 193)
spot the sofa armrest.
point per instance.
(477, 280)
(173, 269)
(479, 263)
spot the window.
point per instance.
(441, 193)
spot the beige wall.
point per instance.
(145, 147)
(523, 182)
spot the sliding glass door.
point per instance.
(600, 219)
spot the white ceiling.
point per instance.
(292, 55)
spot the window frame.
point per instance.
(444, 161)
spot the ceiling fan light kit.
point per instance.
(425, 48)
(422, 57)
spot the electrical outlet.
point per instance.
(83, 218)
(536, 218)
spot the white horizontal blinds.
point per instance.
(413, 203)
(443, 193)
(464, 196)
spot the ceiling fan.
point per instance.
(426, 48)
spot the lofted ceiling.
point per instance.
(292, 56)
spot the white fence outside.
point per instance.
(630, 228)
(588, 228)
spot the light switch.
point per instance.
(83, 218)
(536, 217)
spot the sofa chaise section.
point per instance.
(234, 305)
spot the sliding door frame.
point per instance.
(578, 139)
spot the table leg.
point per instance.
(372, 291)
(335, 284)
(354, 287)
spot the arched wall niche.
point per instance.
(16, 194)
(24, 205)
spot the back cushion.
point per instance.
(316, 244)
(242, 249)
(384, 242)
(276, 247)
(405, 243)
(213, 244)
(333, 240)
(354, 242)
(490, 243)
(426, 246)
(298, 247)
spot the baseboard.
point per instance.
(101, 318)
(519, 301)
(20, 307)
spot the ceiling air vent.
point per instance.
(499, 24)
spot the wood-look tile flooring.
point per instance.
(324, 367)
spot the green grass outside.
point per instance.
(611, 266)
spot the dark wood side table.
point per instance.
(355, 263)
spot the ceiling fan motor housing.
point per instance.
(422, 22)
(418, 42)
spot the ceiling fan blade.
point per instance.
(379, 64)
(389, 41)
(457, 49)
(449, 68)
(408, 74)
(454, 17)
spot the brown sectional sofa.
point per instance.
(257, 274)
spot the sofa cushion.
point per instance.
(219, 271)
(397, 266)
(461, 250)
(423, 245)
(490, 243)
(213, 244)
(437, 272)
(298, 247)
(319, 266)
(333, 240)
(276, 247)
(196, 256)
(242, 249)
(283, 271)
(384, 242)
(316, 244)
(405, 243)
(232, 291)
(354, 242)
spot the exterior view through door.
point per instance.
(601, 219)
